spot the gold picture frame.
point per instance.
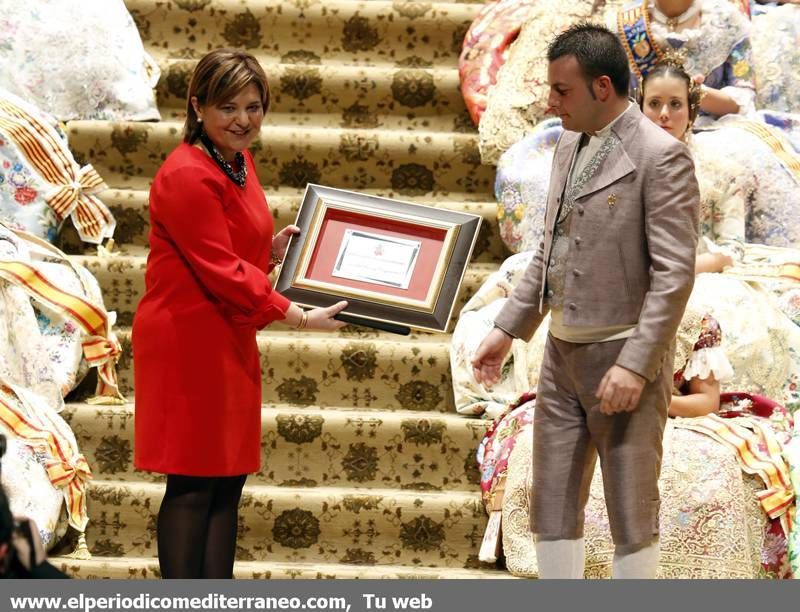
(446, 240)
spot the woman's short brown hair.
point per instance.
(218, 77)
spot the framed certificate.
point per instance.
(399, 265)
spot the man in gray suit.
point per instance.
(614, 270)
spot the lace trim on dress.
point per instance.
(706, 362)
(710, 44)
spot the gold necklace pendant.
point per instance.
(672, 23)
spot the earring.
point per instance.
(199, 120)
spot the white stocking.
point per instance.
(560, 558)
(636, 561)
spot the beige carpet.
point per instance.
(366, 470)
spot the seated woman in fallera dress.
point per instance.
(714, 36)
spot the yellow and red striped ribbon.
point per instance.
(790, 270)
(102, 353)
(73, 188)
(101, 348)
(757, 452)
(65, 468)
(92, 319)
(782, 149)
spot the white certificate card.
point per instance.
(376, 258)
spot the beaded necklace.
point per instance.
(239, 177)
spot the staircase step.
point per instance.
(349, 95)
(315, 447)
(344, 31)
(130, 209)
(147, 567)
(357, 367)
(128, 154)
(121, 279)
(328, 525)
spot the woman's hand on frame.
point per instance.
(281, 241)
(322, 318)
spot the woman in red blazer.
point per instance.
(196, 362)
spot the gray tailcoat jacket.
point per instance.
(633, 236)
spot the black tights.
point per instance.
(197, 525)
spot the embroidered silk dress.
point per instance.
(776, 57)
(197, 367)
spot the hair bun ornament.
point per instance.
(675, 58)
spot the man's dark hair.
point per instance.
(6, 520)
(598, 52)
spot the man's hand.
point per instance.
(489, 357)
(620, 390)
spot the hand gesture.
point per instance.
(322, 318)
(489, 357)
(281, 240)
(620, 390)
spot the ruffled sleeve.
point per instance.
(708, 357)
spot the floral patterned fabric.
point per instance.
(791, 452)
(521, 186)
(486, 48)
(764, 352)
(747, 188)
(520, 372)
(519, 99)
(497, 445)
(40, 182)
(29, 489)
(703, 491)
(42, 360)
(100, 70)
(776, 62)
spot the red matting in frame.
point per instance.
(330, 238)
